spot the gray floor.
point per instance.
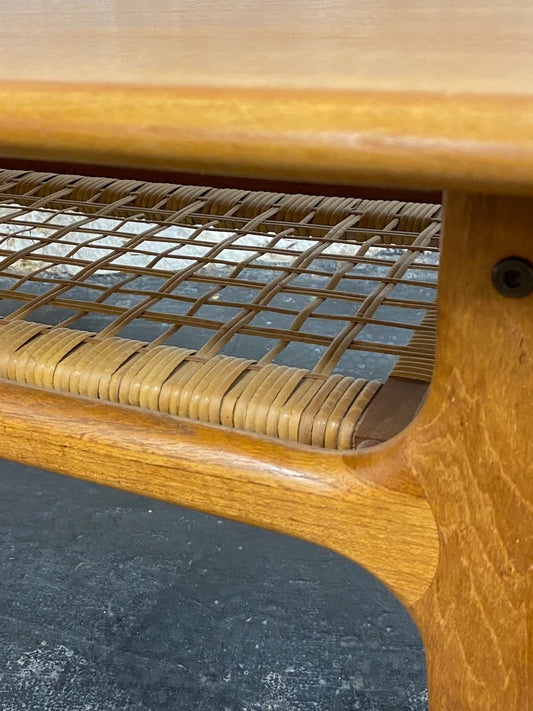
(112, 601)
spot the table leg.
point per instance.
(472, 449)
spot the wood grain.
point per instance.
(422, 140)
(481, 47)
(472, 447)
(431, 94)
(362, 505)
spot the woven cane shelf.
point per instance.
(271, 313)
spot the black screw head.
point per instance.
(513, 277)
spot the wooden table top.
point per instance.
(433, 94)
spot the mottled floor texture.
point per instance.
(110, 601)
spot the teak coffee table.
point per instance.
(414, 95)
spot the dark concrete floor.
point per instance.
(110, 601)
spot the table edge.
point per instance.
(420, 140)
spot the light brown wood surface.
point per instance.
(448, 46)
(472, 449)
(372, 513)
(482, 143)
(349, 91)
(437, 95)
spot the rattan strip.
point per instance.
(157, 200)
(276, 400)
(373, 301)
(418, 360)
(114, 198)
(308, 406)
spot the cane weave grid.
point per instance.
(148, 294)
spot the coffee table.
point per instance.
(429, 95)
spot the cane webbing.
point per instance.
(273, 313)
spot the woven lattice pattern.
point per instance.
(275, 313)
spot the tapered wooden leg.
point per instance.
(472, 448)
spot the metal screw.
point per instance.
(513, 277)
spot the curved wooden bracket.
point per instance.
(363, 505)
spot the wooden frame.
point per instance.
(443, 512)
